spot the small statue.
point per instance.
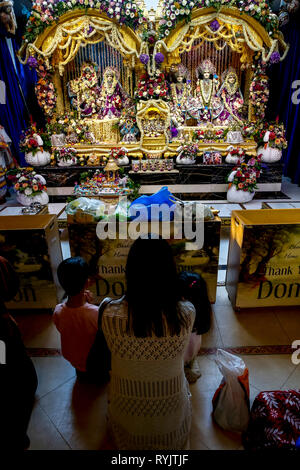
(129, 131)
(7, 16)
(112, 96)
(180, 95)
(232, 99)
(206, 106)
(84, 91)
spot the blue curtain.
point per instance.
(282, 77)
(14, 115)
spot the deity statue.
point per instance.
(112, 96)
(84, 91)
(153, 123)
(206, 106)
(180, 95)
(232, 99)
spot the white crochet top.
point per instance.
(149, 400)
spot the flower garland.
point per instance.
(246, 175)
(178, 10)
(44, 89)
(25, 181)
(259, 91)
(152, 87)
(46, 12)
(175, 11)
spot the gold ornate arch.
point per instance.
(59, 43)
(240, 31)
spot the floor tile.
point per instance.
(38, 330)
(204, 429)
(268, 372)
(222, 297)
(52, 372)
(212, 339)
(210, 375)
(78, 411)
(293, 381)
(290, 321)
(43, 434)
(254, 328)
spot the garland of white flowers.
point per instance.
(175, 11)
(46, 12)
(77, 36)
(195, 24)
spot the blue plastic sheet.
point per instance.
(154, 207)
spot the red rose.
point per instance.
(33, 143)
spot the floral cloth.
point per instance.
(275, 421)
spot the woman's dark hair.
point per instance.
(151, 289)
(193, 287)
(9, 282)
(72, 274)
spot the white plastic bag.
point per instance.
(231, 408)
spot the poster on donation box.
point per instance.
(264, 260)
(107, 258)
(270, 266)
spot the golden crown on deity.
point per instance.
(181, 71)
(89, 65)
(228, 72)
(111, 71)
(206, 66)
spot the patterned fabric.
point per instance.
(275, 421)
(149, 400)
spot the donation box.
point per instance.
(31, 244)
(264, 258)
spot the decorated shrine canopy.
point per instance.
(56, 30)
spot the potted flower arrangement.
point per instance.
(120, 155)
(30, 187)
(271, 141)
(234, 134)
(243, 181)
(235, 155)
(77, 130)
(65, 156)
(152, 87)
(35, 147)
(56, 130)
(249, 130)
(210, 135)
(187, 153)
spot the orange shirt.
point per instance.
(78, 327)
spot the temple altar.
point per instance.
(202, 88)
